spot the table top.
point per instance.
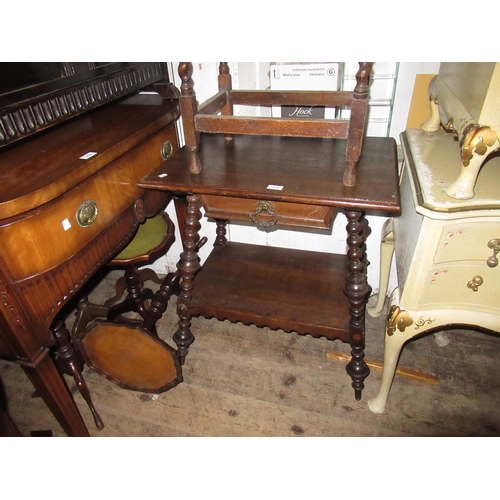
(434, 162)
(46, 165)
(296, 170)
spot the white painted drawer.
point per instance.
(466, 241)
(446, 287)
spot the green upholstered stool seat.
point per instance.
(152, 240)
(149, 236)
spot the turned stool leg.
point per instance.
(68, 362)
(136, 296)
(160, 301)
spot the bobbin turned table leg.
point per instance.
(357, 290)
(188, 267)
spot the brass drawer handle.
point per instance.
(494, 244)
(166, 150)
(86, 213)
(264, 206)
(475, 283)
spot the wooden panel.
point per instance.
(289, 214)
(274, 287)
(299, 98)
(37, 106)
(214, 104)
(288, 127)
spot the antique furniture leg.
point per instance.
(136, 296)
(188, 266)
(477, 140)
(68, 362)
(121, 285)
(160, 301)
(357, 291)
(386, 253)
(221, 240)
(401, 326)
(180, 204)
(169, 287)
(475, 148)
(393, 345)
(50, 385)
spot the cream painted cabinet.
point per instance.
(446, 250)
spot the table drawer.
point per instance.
(51, 235)
(264, 213)
(452, 286)
(467, 241)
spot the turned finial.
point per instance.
(223, 68)
(185, 73)
(362, 77)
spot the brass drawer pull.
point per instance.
(475, 283)
(264, 206)
(166, 150)
(86, 213)
(494, 244)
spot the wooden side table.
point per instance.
(446, 250)
(274, 181)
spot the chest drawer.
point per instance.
(51, 235)
(467, 241)
(266, 214)
(447, 286)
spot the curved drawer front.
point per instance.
(467, 241)
(48, 237)
(266, 213)
(452, 287)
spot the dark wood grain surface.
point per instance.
(265, 286)
(248, 165)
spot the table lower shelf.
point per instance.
(286, 289)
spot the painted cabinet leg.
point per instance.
(401, 326)
(392, 350)
(433, 123)
(463, 187)
(386, 252)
